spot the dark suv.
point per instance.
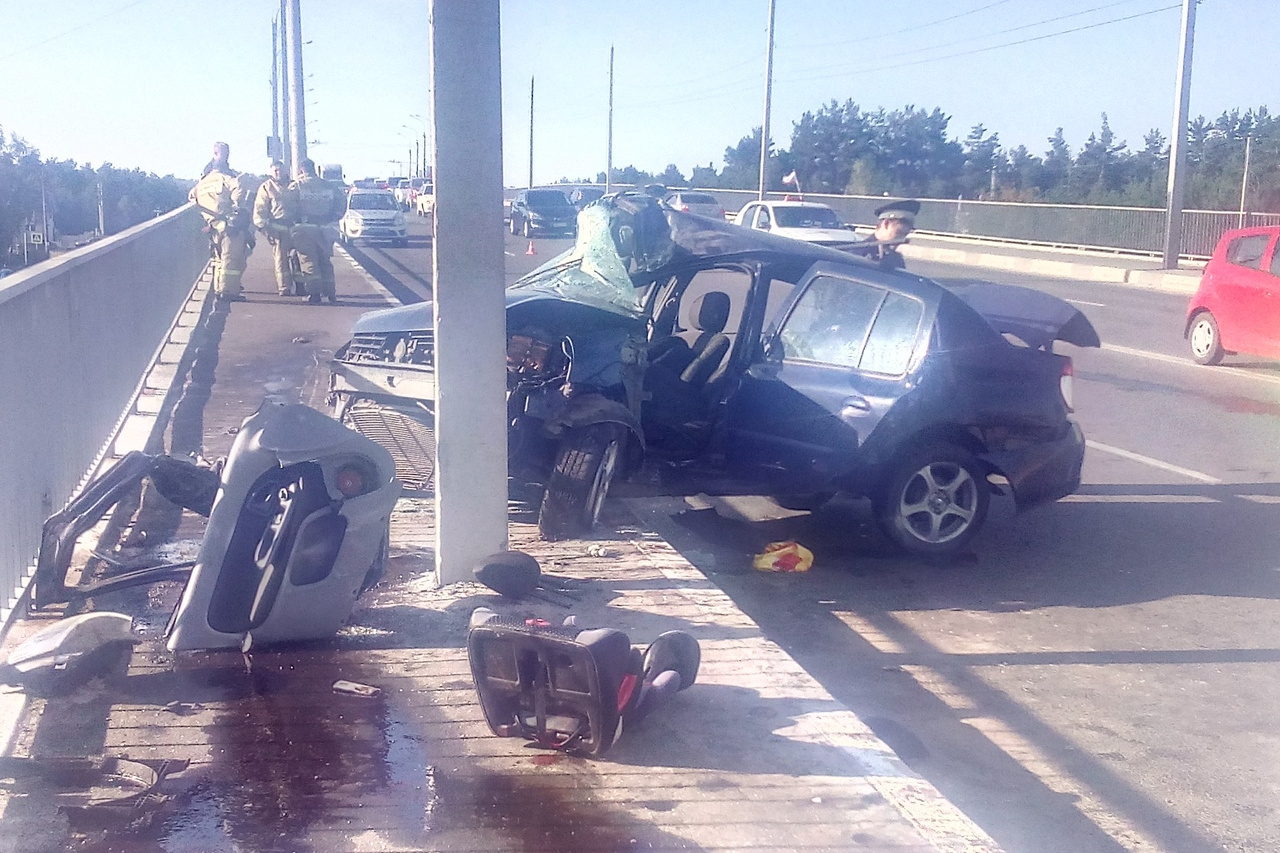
(743, 362)
(539, 211)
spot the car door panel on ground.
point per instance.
(830, 373)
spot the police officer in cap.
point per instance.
(894, 221)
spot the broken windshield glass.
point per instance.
(615, 242)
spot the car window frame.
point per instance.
(1230, 251)
(915, 354)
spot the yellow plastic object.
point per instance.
(783, 557)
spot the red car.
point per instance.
(1237, 307)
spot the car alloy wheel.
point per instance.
(1206, 343)
(935, 502)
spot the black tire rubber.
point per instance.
(527, 229)
(1205, 340)
(586, 463)
(935, 500)
(514, 230)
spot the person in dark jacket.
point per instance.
(894, 221)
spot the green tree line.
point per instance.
(844, 149)
(67, 192)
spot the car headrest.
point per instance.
(711, 311)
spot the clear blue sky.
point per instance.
(152, 83)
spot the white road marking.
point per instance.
(1154, 463)
(1090, 304)
(369, 279)
(1187, 362)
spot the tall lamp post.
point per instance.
(1178, 141)
(768, 98)
(425, 125)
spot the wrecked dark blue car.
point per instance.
(749, 363)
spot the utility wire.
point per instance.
(85, 25)
(912, 29)
(1019, 28)
(882, 68)
(741, 84)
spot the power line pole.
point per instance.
(102, 215)
(1178, 141)
(273, 147)
(768, 97)
(282, 95)
(1244, 179)
(608, 159)
(297, 100)
(530, 131)
(467, 285)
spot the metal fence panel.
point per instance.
(79, 331)
(1124, 229)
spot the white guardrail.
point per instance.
(79, 331)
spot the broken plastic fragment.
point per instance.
(352, 688)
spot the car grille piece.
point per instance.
(397, 347)
(407, 433)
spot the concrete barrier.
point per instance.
(79, 331)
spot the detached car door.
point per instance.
(844, 352)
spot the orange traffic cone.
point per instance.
(531, 250)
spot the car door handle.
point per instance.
(854, 407)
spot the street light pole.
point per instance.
(297, 103)
(467, 286)
(768, 97)
(1178, 141)
(282, 95)
(608, 160)
(1244, 179)
(530, 131)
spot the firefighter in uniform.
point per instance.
(320, 204)
(275, 212)
(224, 202)
(894, 221)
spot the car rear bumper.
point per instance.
(552, 226)
(1042, 472)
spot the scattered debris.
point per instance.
(300, 339)
(786, 556)
(515, 574)
(352, 688)
(184, 709)
(598, 551)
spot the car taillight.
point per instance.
(1065, 383)
(351, 481)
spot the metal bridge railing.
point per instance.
(79, 330)
(1084, 226)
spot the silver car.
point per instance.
(703, 204)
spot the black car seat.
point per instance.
(679, 373)
(711, 346)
